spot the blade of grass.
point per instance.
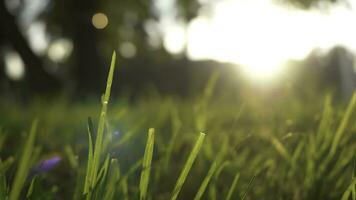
(24, 164)
(72, 158)
(248, 187)
(212, 169)
(146, 165)
(187, 166)
(233, 186)
(344, 122)
(104, 170)
(206, 181)
(88, 177)
(113, 179)
(176, 124)
(98, 189)
(353, 189)
(4, 166)
(281, 149)
(340, 131)
(348, 192)
(101, 125)
(30, 189)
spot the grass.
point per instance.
(146, 165)
(280, 148)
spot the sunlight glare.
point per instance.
(261, 36)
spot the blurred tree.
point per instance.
(37, 77)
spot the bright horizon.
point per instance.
(261, 35)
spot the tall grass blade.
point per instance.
(248, 187)
(30, 189)
(344, 122)
(176, 125)
(212, 169)
(206, 181)
(101, 125)
(72, 158)
(88, 177)
(281, 149)
(112, 181)
(348, 193)
(24, 164)
(4, 166)
(353, 190)
(187, 166)
(146, 165)
(104, 170)
(233, 186)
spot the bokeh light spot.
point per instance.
(14, 65)
(100, 20)
(127, 50)
(59, 50)
(174, 40)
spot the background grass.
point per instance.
(280, 147)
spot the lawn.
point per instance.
(207, 146)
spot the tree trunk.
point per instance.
(89, 72)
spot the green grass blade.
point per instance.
(248, 187)
(220, 169)
(233, 186)
(210, 86)
(30, 189)
(101, 125)
(348, 192)
(281, 149)
(176, 125)
(212, 170)
(124, 188)
(353, 189)
(187, 166)
(88, 177)
(24, 164)
(72, 158)
(112, 181)
(4, 166)
(206, 181)
(146, 165)
(104, 170)
(344, 122)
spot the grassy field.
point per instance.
(203, 147)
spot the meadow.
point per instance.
(163, 147)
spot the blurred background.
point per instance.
(267, 80)
(50, 47)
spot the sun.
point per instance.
(261, 36)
